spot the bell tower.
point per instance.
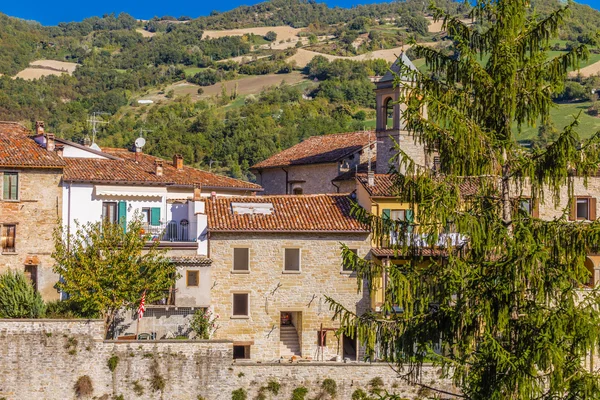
(390, 127)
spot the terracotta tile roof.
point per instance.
(126, 170)
(419, 252)
(18, 149)
(303, 213)
(191, 261)
(319, 150)
(385, 185)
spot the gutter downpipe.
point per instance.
(287, 184)
(336, 186)
(69, 218)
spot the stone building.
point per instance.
(275, 258)
(30, 205)
(119, 185)
(319, 164)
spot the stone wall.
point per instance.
(43, 360)
(272, 290)
(35, 213)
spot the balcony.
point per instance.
(171, 231)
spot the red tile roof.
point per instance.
(126, 170)
(19, 150)
(303, 213)
(319, 150)
(385, 185)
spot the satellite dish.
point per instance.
(140, 142)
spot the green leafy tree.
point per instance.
(506, 299)
(271, 36)
(106, 269)
(18, 297)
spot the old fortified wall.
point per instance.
(53, 359)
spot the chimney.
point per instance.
(371, 178)
(178, 162)
(39, 127)
(158, 167)
(213, 195)
(50, 144)
(197, 192)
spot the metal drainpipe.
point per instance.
(286, 181)
(69, 218)
(336, 186)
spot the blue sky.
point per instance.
(52, 12)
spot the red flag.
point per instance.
(142, 306)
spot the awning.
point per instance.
(130, 191)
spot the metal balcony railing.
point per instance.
(171, 231)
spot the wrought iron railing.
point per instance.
(171, 231)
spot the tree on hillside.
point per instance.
(106, 269)
(506, 300)
(271, 36)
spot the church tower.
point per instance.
(390, 127)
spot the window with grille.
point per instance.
(192, 278)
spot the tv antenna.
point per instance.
(94, 121)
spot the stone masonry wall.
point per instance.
(273, 290)
(35, 213)
(43, 360)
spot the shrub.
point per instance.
(200, 91)
(375, 385)
(594, 109)
(18, 298)
(67, 309)
(203, 323)
(138, 388)
(359, 394)
(271, 36)
(329, 386)
(239, 394)
(157, 382)
(112, 363)
(299, 393)
(273, 386)
(83, 386)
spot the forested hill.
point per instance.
(206, 89)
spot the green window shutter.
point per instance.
(410, 218)
(386, 213)
(155, 216)
(122, 215)
(5, 186)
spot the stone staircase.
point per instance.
(288, 342)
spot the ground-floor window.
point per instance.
(241, 352)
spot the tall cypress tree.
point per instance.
(506, 299)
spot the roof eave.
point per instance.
(284, 231)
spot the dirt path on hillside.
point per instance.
(592, 69)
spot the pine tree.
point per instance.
(506, 302)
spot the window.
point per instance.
(346, 267)
(241, 259)
(241, 352)
(583, 208)
(10, 186)
(525, 205)
(109, 212)
(292, 260)
(397, 215)
(8, 238)
(240, 305)
(192, 278)
(151, 216)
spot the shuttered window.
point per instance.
(155, 216)
(241, 259)
(192, 278)
(10, 186)
(8, 238)
(583, 208)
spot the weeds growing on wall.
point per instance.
(273, 386)
(330, 387)
(299, 393)
(138, 388)
(157, 382)
(83, 387)
(239, 394)
(112, 363)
